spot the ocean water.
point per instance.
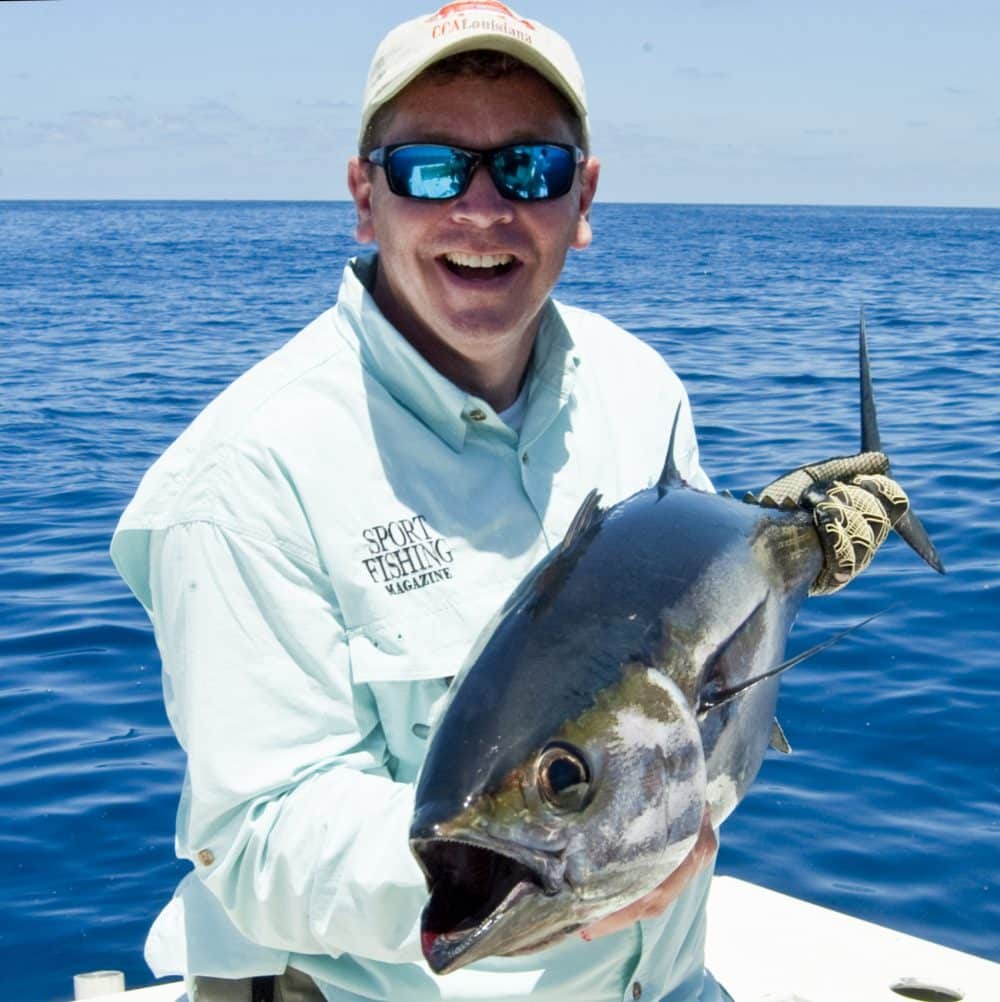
(119, 321)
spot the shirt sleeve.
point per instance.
(288, 811)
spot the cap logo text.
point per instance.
(490, 6)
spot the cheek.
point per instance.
(386, 214)
(556, 230)
(400, 225)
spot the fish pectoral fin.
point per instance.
(778, 740)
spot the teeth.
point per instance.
(478, 260)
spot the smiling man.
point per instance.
(465, 278)
(319, 551)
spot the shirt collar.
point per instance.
(444, 408)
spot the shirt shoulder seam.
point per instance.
(286, 547)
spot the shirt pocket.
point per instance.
(408, 663)
(428, 643)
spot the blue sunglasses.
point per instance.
(522, 172)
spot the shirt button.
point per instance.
(636, 990)
(206, 857)
(477, 415)
(524, 458)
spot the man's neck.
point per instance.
(496, 378)
(493, 368)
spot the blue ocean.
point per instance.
(119, 321)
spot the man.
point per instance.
(320, 549)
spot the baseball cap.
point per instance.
(460, 27)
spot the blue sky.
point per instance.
(877, 102)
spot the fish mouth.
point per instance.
(472, 888)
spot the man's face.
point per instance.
(425, 285)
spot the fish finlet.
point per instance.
(778, 741)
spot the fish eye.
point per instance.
(563, 776)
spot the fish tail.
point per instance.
(908, 525)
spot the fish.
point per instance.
(627, 685)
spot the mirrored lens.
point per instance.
(428, 171)
(534, 171)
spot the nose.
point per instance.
(482, 205)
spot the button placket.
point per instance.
(634, 988)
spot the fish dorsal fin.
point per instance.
(670, 476)
(870, 439)
(537, 589)
(586, 515)
(778, 740)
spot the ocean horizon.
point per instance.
(599, 201)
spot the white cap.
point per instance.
(460, 27)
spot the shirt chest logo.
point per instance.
(405, 555)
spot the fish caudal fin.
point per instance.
(871, 441)
(912, 530)
(908, 526)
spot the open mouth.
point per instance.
(470, 888)
(479, 267)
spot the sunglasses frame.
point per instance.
(381, 154)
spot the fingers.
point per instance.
(847, 541)
(891, 496)
(854, 505)
(853, 521)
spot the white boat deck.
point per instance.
(763, 945)
(769, 947)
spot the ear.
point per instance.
(359, 181)
(589, 173)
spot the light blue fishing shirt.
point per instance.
(318, 552)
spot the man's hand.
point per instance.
(853, 504)
(660, 898)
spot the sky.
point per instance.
(859, 102)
